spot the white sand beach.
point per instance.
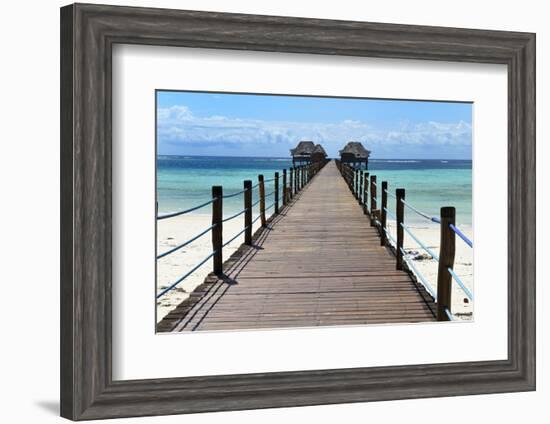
(174, 231)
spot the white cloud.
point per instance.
(178, 126)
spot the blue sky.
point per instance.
(216, 124)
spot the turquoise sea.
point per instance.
(186, 181)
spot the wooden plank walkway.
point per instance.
(317, 263)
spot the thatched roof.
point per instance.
(304, 148)
(357, 149)
(319, 149)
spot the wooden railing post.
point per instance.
(261, 190)
(383, 214)
(400, 215)
(248, 212)
(291, 185)
(372, 199)
(357, 172)
(360, 192)
(276, 186)
(284, 188)
(217, 231)
(446, 260)
(365, 192)
(296, 175)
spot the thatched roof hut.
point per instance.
(302, 152)
(354, 152)
(318, 154)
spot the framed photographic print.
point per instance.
(294, 211)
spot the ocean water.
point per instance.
(186, 181)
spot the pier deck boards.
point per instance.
(319, 262)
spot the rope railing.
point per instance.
(419, 212)
(422, 245)
(191, 240)
(461, 284)
(227, 196)
(194, 208)
(229, 218)
(461, 235)
(419, 275)
(187, 274)
(235, 237)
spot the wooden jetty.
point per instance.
(319, 261)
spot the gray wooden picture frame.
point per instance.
(88, 33)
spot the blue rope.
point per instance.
(449, 314)
(240, 232)
(269, 194)
(390, 214)
(461, 284)
(461, 235)
(270, 206)
(255, 219)
(162, 255)
(422, 245)
(171, 215)
(234, 216)
(418, 274)
(235, 194)
(256, 202)
(419, 212)
(390, 236)
(389, 194)
(167, 289)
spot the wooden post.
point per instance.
(360, 193)
(365, 192)
(383, 214)
(217, 231)
(248, 212)
(296, 180)
(284, 188)
(291, 185)
(261, 190)
(446, 260)
(372, 199)
(400, 215)
(357, 177)
(276, 192)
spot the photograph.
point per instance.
(292, 211)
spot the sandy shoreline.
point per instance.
(174, 231)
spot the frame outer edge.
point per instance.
(67, 376)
